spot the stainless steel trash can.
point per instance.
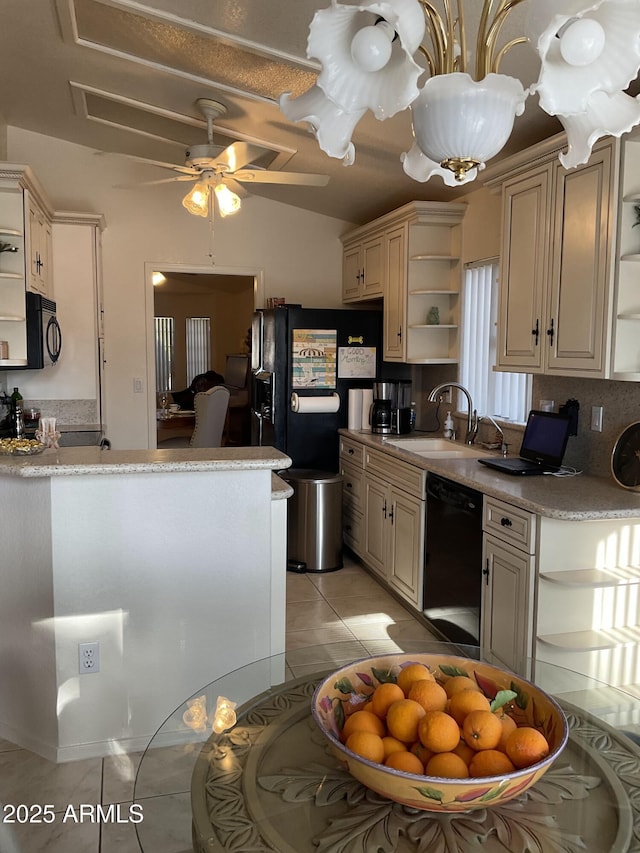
(314, 520)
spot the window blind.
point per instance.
(198, 333)
(164, 346)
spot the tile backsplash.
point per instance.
(67, 412)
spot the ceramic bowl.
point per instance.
(352, 684)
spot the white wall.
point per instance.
(299, 252)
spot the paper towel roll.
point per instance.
(367, 402)
(309, 405)
(354, 418)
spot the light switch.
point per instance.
(138, 386)
(597, 417)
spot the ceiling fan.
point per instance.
(221, 171)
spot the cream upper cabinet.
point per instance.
(556, 268)
(363, 268)
(39, 248)
(410, 257)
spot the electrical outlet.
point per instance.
(597, 417)
(138, 386)
(88, 657)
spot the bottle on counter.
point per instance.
(448, 426)
(17, 415)
(412, 417)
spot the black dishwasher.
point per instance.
(453, 560)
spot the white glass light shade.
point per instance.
(228, 201)
(566, 88)
(605, 115)
(196, 200)
(331, 126)
(456, 117)
(419, 167)
(385, 91)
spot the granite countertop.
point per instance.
(579, 498)
(74, 461)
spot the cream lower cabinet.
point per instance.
(384, 516)
(508, 583)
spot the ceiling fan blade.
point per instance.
(187, 170)
(234, 186)
(154, 183)
(238, 154)
(292, 178)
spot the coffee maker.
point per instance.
(391, 410)
(383, 398)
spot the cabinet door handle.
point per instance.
(348, 486)
(350, 451)
(485, 572)
(506, 522)
(551, 332)
(400, 332)
(384, 509)
(391, 514)
(536, 332)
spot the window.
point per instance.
(502, 395)
(198, 346)
(164, 335)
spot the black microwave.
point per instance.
(44, 337)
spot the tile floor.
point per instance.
(331, 619)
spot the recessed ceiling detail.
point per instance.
(164, 125)
(180, 49)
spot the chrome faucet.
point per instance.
(472, 415)
(503, 445)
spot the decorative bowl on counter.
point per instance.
(350, 687)
(20, 447)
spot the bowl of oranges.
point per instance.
(438, 732)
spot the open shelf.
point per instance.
(10, 232)
(593, 577)
(11, 318)
(13, 362)
(432, 326)
(428, 292)
(430, 257)
(432, 361)
(13, 275)
(587, 641)
(633, 258)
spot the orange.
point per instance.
(447, 765)
(383, 696)
(508, 725)
(406, 761)
(465, 752)
(392, 744)
(366, 745)
(526, 746)
(481, 730)
(412, 672)
(465, 701)
(402, 720)
(421, 751)
(429, 694)
(459, 682)
(363, 721)
(490, 762)
(438, 731)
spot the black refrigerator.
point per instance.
(304, 361)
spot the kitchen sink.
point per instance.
(440, 448)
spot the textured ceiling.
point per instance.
(124, 76)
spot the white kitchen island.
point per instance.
(173, 561)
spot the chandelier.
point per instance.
(463, 116)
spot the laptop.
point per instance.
(543, 445)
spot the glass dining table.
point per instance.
(270, 782)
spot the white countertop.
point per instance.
(75, 461)
(579, 498)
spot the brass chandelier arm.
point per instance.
(460, 62)
(485, 60)
(498, 59)
(438, 34)
(429, 57)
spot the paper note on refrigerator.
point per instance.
(313, 358)
(357, 362)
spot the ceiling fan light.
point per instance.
(196, 200)
(228, 201)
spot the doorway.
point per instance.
(226, 296)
